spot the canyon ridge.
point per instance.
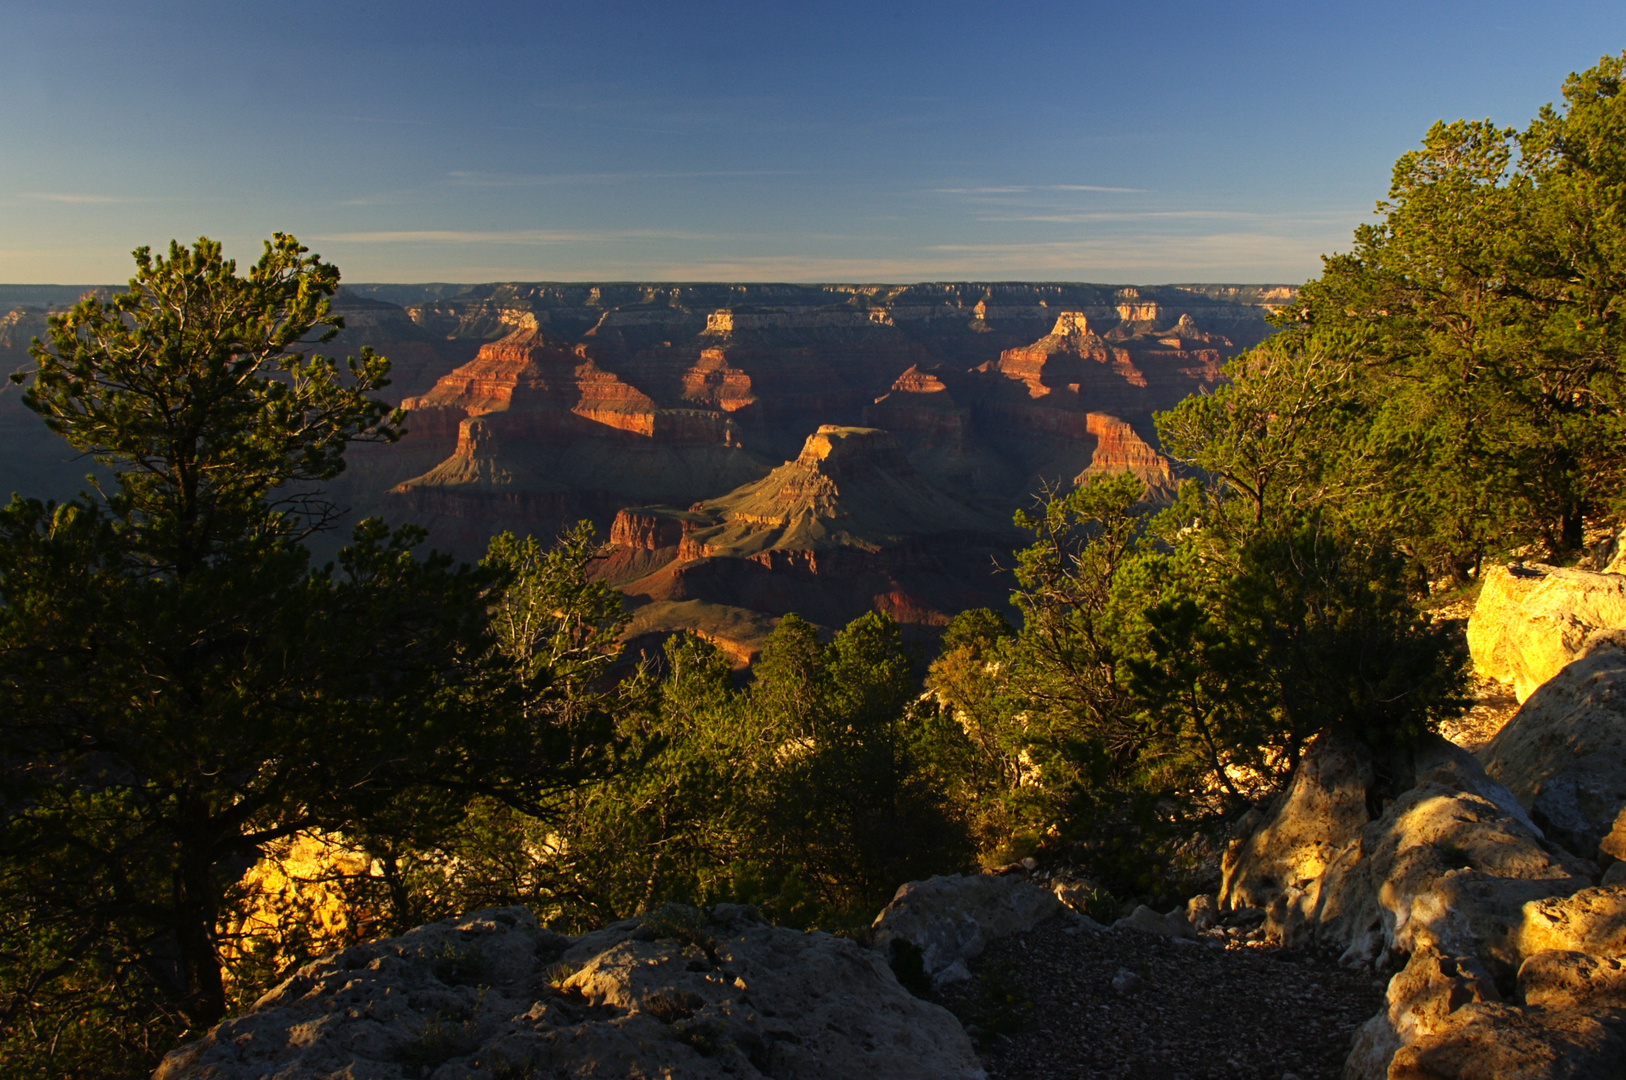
(750, 450)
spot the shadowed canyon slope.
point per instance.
(910, 420)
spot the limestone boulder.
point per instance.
(951, 918)
(1565, 979)
(1500, 1041)
(1513, 967)
(1563, 754)
(1446, 1018)
(1591, 921)
(1202, 912)
(1174, 924)
(1307, 829)
(680, 993)
(1530, 621)
(1449, 864)
(1421, 1000)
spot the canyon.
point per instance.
(749, 450)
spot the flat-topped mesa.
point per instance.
(835, 451)
(1138, 311)
(920, 409)
(1132, 308)
(651, 528)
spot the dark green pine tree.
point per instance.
(179, 685)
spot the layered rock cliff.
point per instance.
(848, 525)
(588, 400)
(545, 434)
(531, 406)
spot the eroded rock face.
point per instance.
(1118, 449)
(1567, 978)
(1310, 827)
(1493, 1042)
(1564, 752)
(678, 994)
(1422, 1000)
(950, 918)
(1566, 1017)
(1591, 921)
(1531, 621)
(1449, 864)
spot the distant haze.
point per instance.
(687, 141)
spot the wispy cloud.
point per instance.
(1026, 189)
(510, 236)
(463, 178)
(1223, 256)
(1227, 252)
(1330, 217)
(79, 198)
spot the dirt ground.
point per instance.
(1045, 1004)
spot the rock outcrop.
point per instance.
(849, 488)
(1530, 621)
(1118, 449)
(1449, 863)
(848, 525)
(1514, 949)
(1563, 754)
(680, 993)
(950, 918)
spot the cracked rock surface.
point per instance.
(680, 993)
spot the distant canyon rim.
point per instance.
(750, 450)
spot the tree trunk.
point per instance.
(205, 1003)
(1573, 535)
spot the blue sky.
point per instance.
(1127, 142)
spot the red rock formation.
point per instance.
(650, 528)
(536, 419)
(920, 408)
(600, 398)
(1069, 361)
(1118, 449)
(711, 381)
(528, 372)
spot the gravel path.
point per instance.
(1044, 1004)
